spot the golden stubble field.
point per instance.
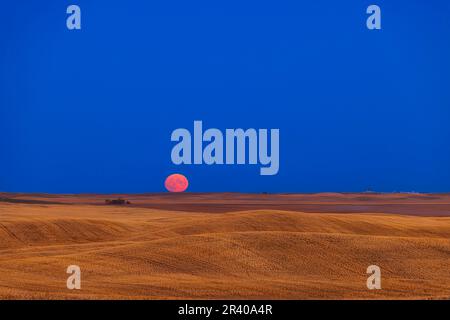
(225, 246)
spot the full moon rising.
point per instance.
(176, 183)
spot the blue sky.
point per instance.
(92, 110)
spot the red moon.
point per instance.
(176, 183)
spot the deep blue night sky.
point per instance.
(92, 110)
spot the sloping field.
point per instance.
(136, 251)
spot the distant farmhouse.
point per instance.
(117, 201)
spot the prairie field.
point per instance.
(225, 246)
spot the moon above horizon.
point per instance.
(176, 183)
